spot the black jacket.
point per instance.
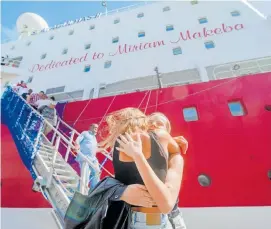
(101, 209)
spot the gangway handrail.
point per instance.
(100, 150)
(61, 136)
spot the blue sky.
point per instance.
(53, 12)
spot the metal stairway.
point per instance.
(46, 158)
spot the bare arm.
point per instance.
(164, 194)
(28, 98)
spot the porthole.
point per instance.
(204, 180)
(236, 67)
(267, 107)
(269, 174)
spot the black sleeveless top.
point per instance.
(127, 173)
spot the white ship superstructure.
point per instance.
(187, 42)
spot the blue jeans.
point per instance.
(139, 222)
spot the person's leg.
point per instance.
(94, 175)
(47, 129)
(85, 173)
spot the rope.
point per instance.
(156, 100)
(105, 160)
(107, 110)
(81, 113)
(179, 98)
(144, 98)
(198, 92)
(100, 117)
(147, 103)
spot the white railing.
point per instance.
(236, 69)
(11, 62)
(128, 91)
(176, 83)
(126, 8)
(74, 134)
(67, 141)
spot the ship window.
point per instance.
(141, 34)
(28, 43)
(30, 79)
(43, 56)
(65, 51)
(87, 68)
(209, 44)
(87, 46)
(194, 2)
(165, 9)
(71, 32)
(177, 51)
(107, 64)
(190, 114)
(236, 108)
(140, 15)
(235, 13)
(55, 90)
(51, 37)
(203, 20)
(115, 39)
(91, 27)
(116, 21)
(169, 27)
(12, 47)
(204, 180)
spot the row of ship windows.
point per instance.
(236, 108)
(175, 51)
(168, 28)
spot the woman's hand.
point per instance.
(137, 195)
(129, 146)
(182, 142)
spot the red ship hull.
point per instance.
(233, 151)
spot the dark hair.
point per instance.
(42, 92)
(53, 98)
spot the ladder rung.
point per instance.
(65, 178)
(68, 185)
(62, 171)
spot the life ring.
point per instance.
(236, 67)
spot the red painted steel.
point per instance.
(234, 151)
(16, 181)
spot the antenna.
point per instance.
(104, 4)
(159, 77)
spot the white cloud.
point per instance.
(9, 33)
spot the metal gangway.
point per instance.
(46, 158)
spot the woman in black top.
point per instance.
(149, 162)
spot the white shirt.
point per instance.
(43, 102)
(20, 90)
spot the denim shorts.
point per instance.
(139, 222)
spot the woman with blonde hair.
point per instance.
(158, 120)
(149, 162)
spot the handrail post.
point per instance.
(54, 136)
(51, 172)
(69, 146)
